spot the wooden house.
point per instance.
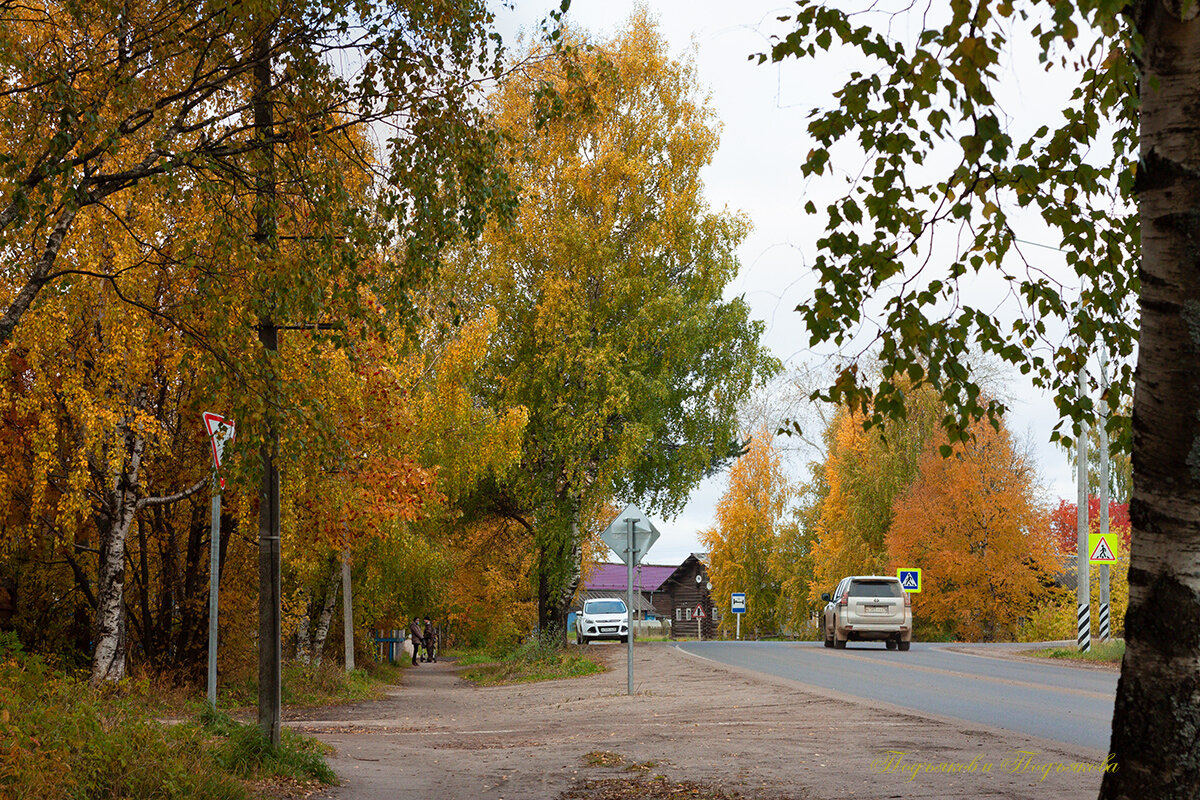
(690, 591)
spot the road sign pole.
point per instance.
(214, 578)
(631, 556)
(1083, 588)
(739, 626)
(1104, 595)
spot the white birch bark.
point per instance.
(108, 657)
(1157, 709)
(322, 631)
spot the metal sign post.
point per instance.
(630, 541)
(629, 562)
(214, 570)
(737, 604)
(220, 432)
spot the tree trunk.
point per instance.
(559, 574)
(574, 564)
(1158, 697)
(108, 658)
(304, 633)
(322, 631)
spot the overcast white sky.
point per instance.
(763, 111)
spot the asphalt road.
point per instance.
(1066, 704)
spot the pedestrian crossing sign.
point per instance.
(910, 579)
(1102, 548)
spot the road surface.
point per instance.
(1067, 704)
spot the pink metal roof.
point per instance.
(646, 577)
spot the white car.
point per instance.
(602, 618)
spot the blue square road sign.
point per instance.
(910, 579)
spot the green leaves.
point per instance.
(941, 193)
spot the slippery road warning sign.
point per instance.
(1102, 548)
(910, 579)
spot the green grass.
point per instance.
(243, 751)
(539, 659)
(1103, 652)
(468, 658)
(61, 740)
(305, 686)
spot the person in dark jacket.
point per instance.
(417, 640)
(430, 637)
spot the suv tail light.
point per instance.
(845, 600)
(907, 599)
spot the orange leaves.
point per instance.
(972, 522)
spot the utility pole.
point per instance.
(347, 607)
(270, 614)
(1105, 626)
(1083, 593)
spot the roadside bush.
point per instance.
(1050, 622)
(59, 740)
(243, 751)
(808, 631)
(1056, 619)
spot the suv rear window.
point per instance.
(876, 589)
(604, 607)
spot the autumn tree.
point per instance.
(160, 92)
(850, 508)
(415, 439)
(614, 332)
(1132, 77)
(1064, 522)
(743, 544)
(972, 522)
(237, 183)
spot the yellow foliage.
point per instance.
(489, 597)
(742, 547)
(1056, 618)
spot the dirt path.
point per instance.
(439, 738)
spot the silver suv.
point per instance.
(868, 608)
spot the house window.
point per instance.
(687, 613)
(679, 615)
(714, 614)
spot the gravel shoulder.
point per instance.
(690, 721)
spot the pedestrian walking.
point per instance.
(415, 631)
(430, 637)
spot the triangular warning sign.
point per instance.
(910, 580)
(1102, 552)
(220, 431)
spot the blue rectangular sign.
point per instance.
(738, 603)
